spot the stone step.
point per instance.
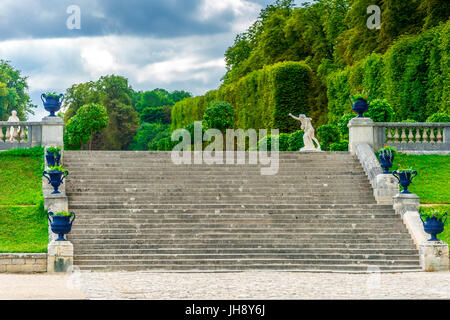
(226, 243)
(246, 262)
(243, 236)
(239, 207)
(358, 268)
(407, 258)
(133, 250)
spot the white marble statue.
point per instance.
(11, 134)
(308, 136)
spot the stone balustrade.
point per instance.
(20, 134)
(412, 136)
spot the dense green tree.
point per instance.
(148, 134)
(220, 116)
(115, 94)
(13, 95)
(80, 129)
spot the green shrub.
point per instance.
(380, 111)
(328, 134)
(439, 117)
(281, 142)
(262, 99)
(343, 124)
(30, 152)
(339, 146)
(296, 141)
(220, 116)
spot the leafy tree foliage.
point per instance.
(80, 129)
(115, 94)
(13, 94)
(220, 116)
(327, 135)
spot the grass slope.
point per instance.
(432, 184)
(23, 221)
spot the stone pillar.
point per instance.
(434, 256)
(386, 189)
(447, 135)
(52, 131)
(60, 257)
(360, 131)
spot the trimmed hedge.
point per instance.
(263, 99)
(412, 76)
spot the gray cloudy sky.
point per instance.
(171, 44)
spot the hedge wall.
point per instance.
(263, 99)
(413, 77)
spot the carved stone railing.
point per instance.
(19, 135)
(413, 136)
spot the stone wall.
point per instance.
(23, 262)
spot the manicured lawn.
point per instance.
(23, 229)
(20, 180)
(432, 184)
(23, 222)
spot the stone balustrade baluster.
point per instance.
(396, 136)
(1, 134)
(389, 135)
(22, 134)
(425, 136)
(411, 136)
(403, 135)
(8, 135)
(432, 136)
(439, 136)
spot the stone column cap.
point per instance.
(361, 122)
(434, 244)
(409, 196)
(52, 120)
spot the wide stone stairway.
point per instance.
(139, 211)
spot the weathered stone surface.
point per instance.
(360, 131)
(434, 256)
(386, 189)
(23, 262)
(369, 162)
(52, 131)
(60, 256)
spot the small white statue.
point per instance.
(11, 134)
(308, 136)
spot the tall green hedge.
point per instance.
(263, 99)
(412, 76)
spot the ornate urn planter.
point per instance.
(52, 102)
(53, 156)
(359, 105)
(405, 178)
(61, 224)
(55, 177)
(387, 156)
(433, 226)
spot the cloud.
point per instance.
(174, 44)
(26, 19)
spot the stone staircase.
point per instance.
(139, 211)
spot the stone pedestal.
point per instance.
(406, 202)
(360, 131)
(55, 203)
(52, 131)
(60, 257)
(386, 189)
(434, 256)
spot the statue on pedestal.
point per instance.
(308, 136)
(11, 134)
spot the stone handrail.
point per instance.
(413, 136)
(19, 134)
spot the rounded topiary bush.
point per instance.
(439, 117)
(343, 124)
(339, 146)
(328, 134)
(219, 115)
(296, 141)
(380, 111)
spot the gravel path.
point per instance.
(209, 286)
